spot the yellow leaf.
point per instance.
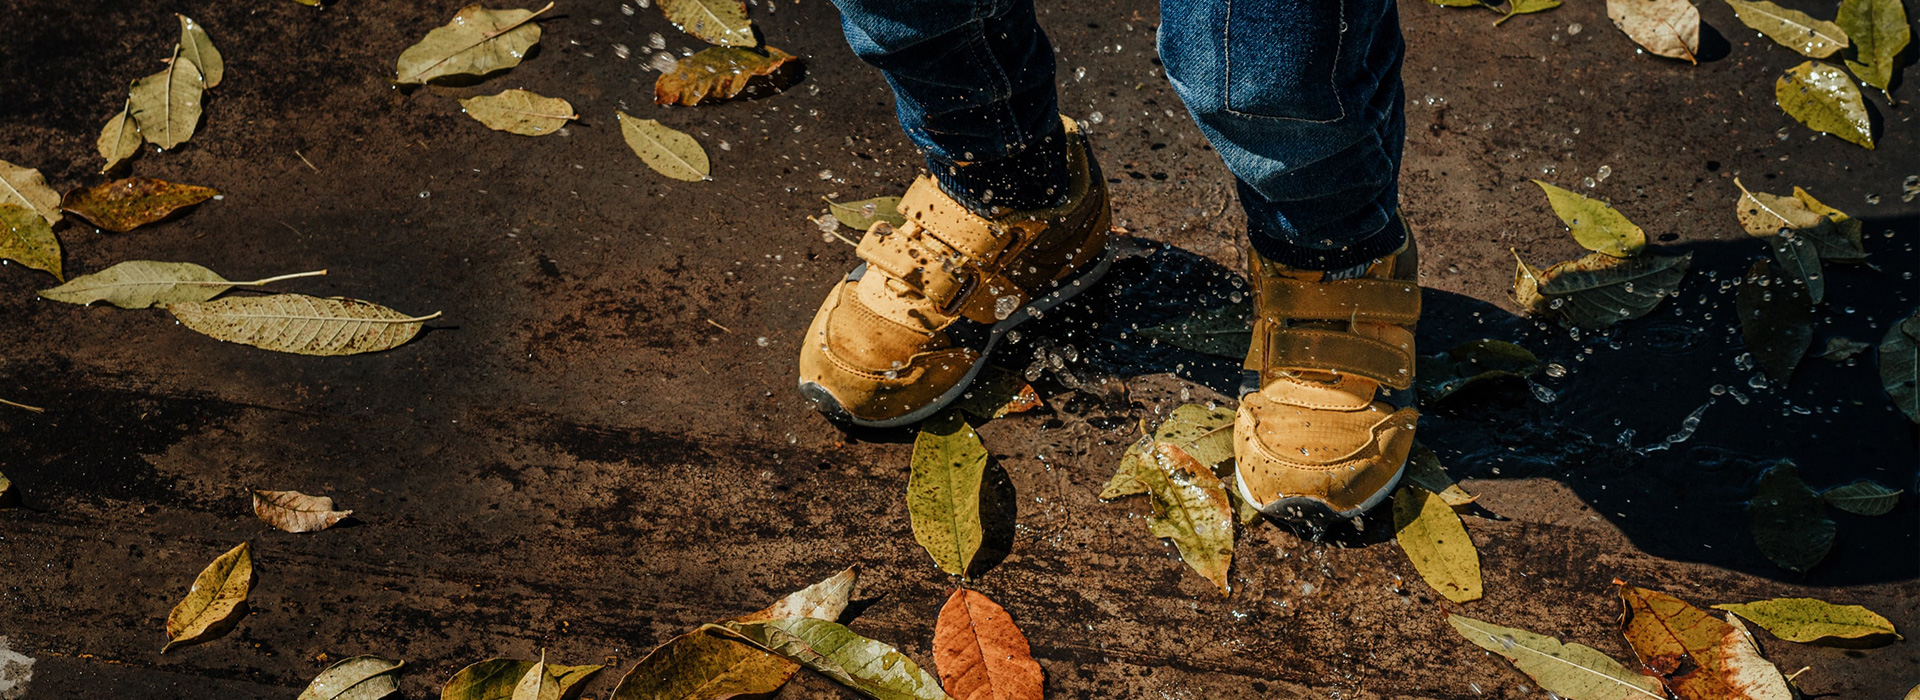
(722, 22)
(214, 599)
(1821, 97)
(301, 324)
(24, 187)
(1437, 543)
(520, 112)
(26, 238)
(119, 140)
(1812, 619)
(478, 41)
(943, 492)
(669, 152)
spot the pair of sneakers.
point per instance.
(1326, 435)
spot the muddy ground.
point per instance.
(599, 446)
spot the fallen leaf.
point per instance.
(1793, 29)
(1571, 671)
(355, 678)
(513, 679)
(293, 511)
(1914, 693)
(215, 598)
(1595, 225)
(1438, 376)
(1224, 331)
(1668, 28)
(1841, 242)
(138, 284)
(1862, 497)
(1600, 290)
(1821, 97)
(1764, 215)
(1789, 520)
(477, 42)
(722, 22)
(862, 215)
(1190, 507)
(700, 665)
(1811, 619)
(1842, 349)
(1247, 514)
(26, 238)
(1437, 543)
(301, 324)
(24, 187)
(128, 203)
(873, 668)
(196, 46)
(1696, 655)
(1899, 360)
(1776, 320)
(1425, 471)
(822, 601)
(981, 654)
(715, 73)
(7, 495)
(1880, 31)
(1800, 263)
(119, 140)
(166, 105)
(669, 152)
(1204, 433)
(1459, 3)
(520, 112)
(1126, 478)
(943, 492)
(997, 393)
(1526, 7)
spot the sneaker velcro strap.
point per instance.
(980, 240)
(924, 263)
(1338, 351)
(1364, 299)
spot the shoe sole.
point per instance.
(1314, 512)
(824, 401)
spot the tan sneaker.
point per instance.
(1327, 434)
(903, 335)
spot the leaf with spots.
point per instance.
(24, 187)
(873, 668)
(1191, 508)
(477, 42)
(214, 601)
(722, 22)
(1793, 29)
(1812, 619)
(520, 112)
(1595, 225)
(1437, 543)
(981, 654)
(293, 511)
(513, 679)
(1425, 471)
(1880, 31)
(716, 73)
(669, 152)
(943, 491)
(125, 204)
(355, 678)
(1841, 243)
(1571, 671)
(1668, 28)
(1697, 656)
(300, 324)
(1599, 290)
(1525, 7)
(26, 238)
(1204, 433)
(1821, 97)
(703, 665)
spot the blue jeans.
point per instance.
(1301, 99)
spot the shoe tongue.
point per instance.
(899, 302)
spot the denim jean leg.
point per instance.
(973, 88)
(1302, 99)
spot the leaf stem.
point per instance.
(270, 280)
(35, 409)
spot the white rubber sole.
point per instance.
(826, 403)
(1307, 509)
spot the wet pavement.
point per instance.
(598, 446)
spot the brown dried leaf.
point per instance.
(215, 598)
(128, 203)
(715, 73)
(293, 511)
(1698, 656)
(981, 654)
(301, 324)
(1668, 28)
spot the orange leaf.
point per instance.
(718, 72)
(981, 654)
(125, 204)
(1697, 655)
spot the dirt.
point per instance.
(599, 446)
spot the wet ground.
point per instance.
(598, 445)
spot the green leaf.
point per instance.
(1862, 497)
(1821, 97)
(1425, 471)
(138, 284)
(1599, 290)
(1899, 364)
(24, 187)
(513, 679)
(1571, 671)
(1799, 260)
(1526, 7)
(1437, 543)
(196, 46)
(119, 140)
(1205, 434)
(1789, 520)
(166, 105)
(668, 152)
(722, 22)
(355, 678)
(701, 665)
(1811, 619)
(1225, 331)
(216, 597)
(1880, 31)
(26, 238)
(1190, 507)
(1438, 376)
(943, 492)
(1776, 320)
(1596, 225)
(862, 215)
(873, 668)
(129, 203)
(1840, 243)
(1668, 28)
(520, 112)
(478, 41)
(1791, 28)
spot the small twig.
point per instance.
(303, 159)
(1796, 674)
(716, 324)
(291, 228)
(35, 409)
